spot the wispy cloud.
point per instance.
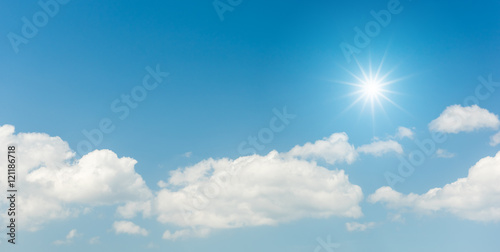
(95, 240)
(355, 226)
(403, 132)
(495, 139)
(184, 233)
(69, 238)
(379, 148)
(442, 153)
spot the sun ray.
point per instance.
(380, 65)
(352, 104)
(362, 70)
(395, 104)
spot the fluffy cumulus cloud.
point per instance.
(55, 185)
(456, 118)
(212, 194)
(333, 149)
(252, 191)
(132, 208)
(379, 148)
(128, 227)
(495, 139)
(355, 226)
(476, 197)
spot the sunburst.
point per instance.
(372, 88)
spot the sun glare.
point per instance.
(371, 88)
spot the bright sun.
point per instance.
(371, 88)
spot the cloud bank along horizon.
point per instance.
(252, 190)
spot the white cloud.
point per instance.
(495, 139)
(95, 240)
(59, 242)
(98, 178)
(355, 226)
(396, 217)
(442, 153)
(131, 209)
(55, 185)
(334, 149)
(152, 246)
(185, 233)
(456, 118)
(69, 238)
(476, 197)
(71, 234)
(128, 227)
(404, 133)
(224, 193)
(379, 148)
(253, 191)
(162, 184)
(188, 154)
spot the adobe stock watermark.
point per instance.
(30, 27)
(428, 146)
(483, 91)
(223, 6)
(121, 107)
(200, 199)
(326, 246)
(362, 38)
(416, 158)
(266, 135)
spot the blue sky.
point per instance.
(219, 82)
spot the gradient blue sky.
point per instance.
(225, 78)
